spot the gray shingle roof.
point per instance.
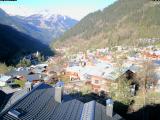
(32, 77)
(14, 73)
(14, 97)
(70, 110)
(39, 104)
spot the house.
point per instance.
(100, 84)
(45, 102)
(40, 68)
(132, 77)
(4, 80)
(34, 78)
(96, 83)
(73, 72)
(19, 73)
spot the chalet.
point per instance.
(34, 78)
(73, 73)
(130, 76)
(97, 83)
(104, 80)
(101, 84)
(127, 75)
(45, 102)
(19, 73)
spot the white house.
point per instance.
(4, 80)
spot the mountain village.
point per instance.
(102, 64)
(98, 69)
(94, 71)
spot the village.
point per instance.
(95, 71)
(101, 68)
(126, 75)
(98, 67)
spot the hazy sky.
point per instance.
(73, 8)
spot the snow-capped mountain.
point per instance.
(53, 25)
(43, 26)
(50, 22)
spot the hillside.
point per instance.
(45, 27)
(123, 23)
(38, 25)
(15, 45)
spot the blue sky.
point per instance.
(73, 8)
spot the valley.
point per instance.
(105, 65)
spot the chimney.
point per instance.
(29, 86)
(59, 92)
(109, 107)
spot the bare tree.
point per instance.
(147, 78)
(147, 75)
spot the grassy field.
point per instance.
(148, 98)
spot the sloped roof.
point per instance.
(32, 77)
(2, 96)
(4, 78)
(70, 110)
(42, 65)
(14, 97)
(39, 104)
(22, 72)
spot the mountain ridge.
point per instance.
(122, 23)
(15, 45)
(45, 32)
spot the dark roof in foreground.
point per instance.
(13, 98)
(39, 104)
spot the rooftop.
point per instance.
(39, 104)
(4, 78)
(12, 98)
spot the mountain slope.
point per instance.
(5, 19)
(14, 45)
(38, 26)
(48, 26)
(122, 23)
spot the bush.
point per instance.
(20, 82)
(4, 68)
